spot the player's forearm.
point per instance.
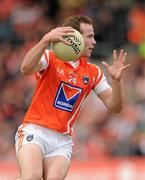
(117, 99)
(33, 57)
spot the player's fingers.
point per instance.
(64, 41)
(71, 34)
(105, 64)
(121, 55)
(67, 34)
(126, 66)
(124, 57)
(63, 32)
(67, 29)
(114, 55)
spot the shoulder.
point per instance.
(95, 69)
(49, 54)
(50, 57)
(92, 65)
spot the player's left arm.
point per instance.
(113, 97)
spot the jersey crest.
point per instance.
(67, 96)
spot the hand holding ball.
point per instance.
(70, 51)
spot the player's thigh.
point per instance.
(56, 167)
(30, 161)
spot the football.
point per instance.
(70, 51)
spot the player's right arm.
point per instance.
(32, 61)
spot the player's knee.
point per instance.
(55, 177)
(29, 178)
(32, 176)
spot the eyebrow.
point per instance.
(91, 35)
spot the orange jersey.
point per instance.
(60, 91)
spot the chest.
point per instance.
(80, 76)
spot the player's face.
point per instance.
(88, 34)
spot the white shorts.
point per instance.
(51, 142)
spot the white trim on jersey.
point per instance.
(102, 85)
(74, 64)
(45, 62)
(99, 72)
(69, 128)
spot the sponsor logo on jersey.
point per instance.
(67, 96)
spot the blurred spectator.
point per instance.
(136, 19)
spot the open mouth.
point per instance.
(90, 49)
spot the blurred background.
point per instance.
(107, 146)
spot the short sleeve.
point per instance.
(45, 63)
(45, 60)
